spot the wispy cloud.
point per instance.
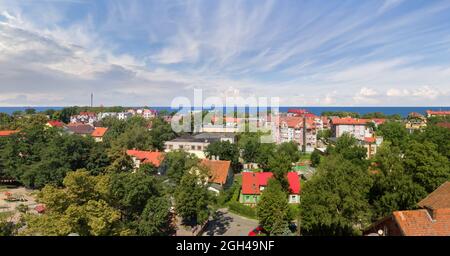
(147, 52)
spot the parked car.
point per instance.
(258, 231)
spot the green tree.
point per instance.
(395, 132)
(225, 150)
(273, 210)
(315, 158)
(156, 219)
(280, 164)
(191, 198)
(334, 201)
(177, 163)
(160, 133)
(427, 167)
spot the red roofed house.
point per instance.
(432, 220)
(254, 183)
(98, 133)
(55, 123)
(146, 157)
(431, 113)
(220, 174)
(7, 133)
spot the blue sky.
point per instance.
(308, 53)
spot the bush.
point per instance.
(241, 209)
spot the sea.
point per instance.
(402, 111)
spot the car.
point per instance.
(257, 231)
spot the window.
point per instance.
(199, 147)
(192, 147)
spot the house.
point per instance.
(290, 128)
(431, 113)
(84, 118)
(254, 183)
(124, 115)
(415, 121)
(98, 133)
(55, 123)
(7, 133)
(197, 144)
(80, 129)
(371, 144)
(146, 157)
(357, 127)
(432, 220)
(444, 125)
(220, 174)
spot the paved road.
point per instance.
(226, 223)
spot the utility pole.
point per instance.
(92, 100)
(304, 134)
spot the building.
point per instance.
(371, 144)
(124, 115)
(6, 133)
(220, 174)
(80, 129)
(98, 133)
(415, 121)
(254, 183)
(55, 123)
(290, 128)
(146, 157)
(357, 127)
(432, 220)
(197, 144)
(431, 113)
(84, 118)
(444, 125)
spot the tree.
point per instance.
(136, 137)
(160, 133)
(289, 149)
(334, 201)
(79, 207)
(177, 163)
(280, 164)
(395, 132)
(225, 150)
(121, 162)
(315, 158)
(156, 219)
(191, 198)
(130, 192)
(427, 167)
(273, 209)
(347, 146)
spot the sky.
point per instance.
(308, 53)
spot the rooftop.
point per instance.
(252, 181)
(218, 170)
(147, 157)
(420, 222)
(438, 199)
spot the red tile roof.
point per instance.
(40, 208)
(7, 133)
(218, 170)
(438, 113)
(356, 121)
(99, 132)
(55, 123)
(420, 222)
(151, 157)
(252, 181)
(438, 199)
(370, 139)
(444, 124)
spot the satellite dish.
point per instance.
(380, 232)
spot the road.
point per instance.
(226, 223)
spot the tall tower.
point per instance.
(92, 100)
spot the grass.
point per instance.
(5, 215)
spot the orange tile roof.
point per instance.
(444, 124)
(55, 123)
(251, 182)
(438, 199)
(151, 157)
(99, 132)
(420, 223)
(219, 170)
(7, 133)
(370, 139)
(356, 121)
